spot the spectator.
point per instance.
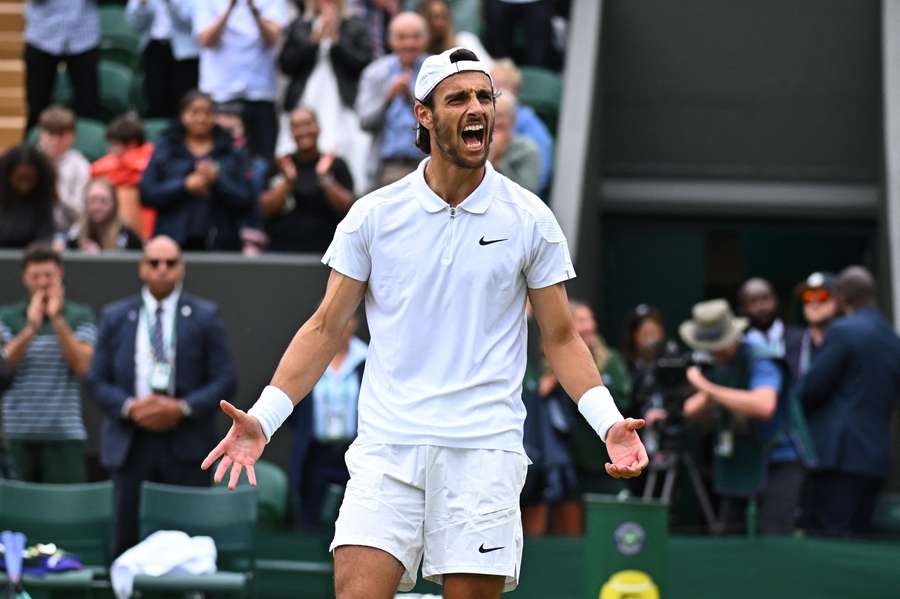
(643, 343)
(377, 15)
(100, 229)
(237, 61)
(740, 393)
(48, 342)
(325, 425)
(508, 79)
(504, 19)
(324, 53)
(385, 101)
(197, 181)
(759, 304)
(169, 52)
(124, 166)
(27, 198)
(310, 197)
(849, 393)
(819, 310)
(513, 155)
(61, 31)
(442, 34)
(253, 238)
(73, 171)
(161, 367)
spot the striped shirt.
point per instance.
(44, 400)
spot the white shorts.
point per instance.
(457, 508)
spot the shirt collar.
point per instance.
(477, 202)
(168, 303)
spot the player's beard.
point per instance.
(446, 133)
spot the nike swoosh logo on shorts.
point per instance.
(483, 550)
(483, 242)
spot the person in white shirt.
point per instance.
(445, 258)
(237, 61)
(73, 171)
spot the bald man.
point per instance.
(385, 100)
(759, 303)
(161, 366)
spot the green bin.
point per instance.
(625, 548)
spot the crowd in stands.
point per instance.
(254, 123)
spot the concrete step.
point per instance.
(12, 73)
(12, 44)
(12, 16)
(11, 128)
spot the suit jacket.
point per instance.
(204, 374)
(849, 393)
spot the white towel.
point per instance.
(163, 552)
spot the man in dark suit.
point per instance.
(849, 393)
(161, 366)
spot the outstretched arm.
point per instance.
(301, 366)
(574, 366)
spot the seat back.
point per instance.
(77, 517)
(115, 88)
(272, 492)
(229, 517)
(542, 90)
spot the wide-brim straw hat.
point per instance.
(712, 327)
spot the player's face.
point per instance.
(463, 119)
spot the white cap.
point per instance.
(438, 67)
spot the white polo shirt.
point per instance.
(445, 307)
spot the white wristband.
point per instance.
(599, 409)
(271, 409)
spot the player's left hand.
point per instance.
(625, 449)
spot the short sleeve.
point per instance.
(765, 373)
(275, 10)
(550, 262)
(348, 253)
(86, 332)
(6, 334)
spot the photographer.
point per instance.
(739, 395)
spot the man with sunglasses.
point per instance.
(161, 366)
(819, 309)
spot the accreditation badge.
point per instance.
(160, 377)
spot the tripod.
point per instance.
(667, 461)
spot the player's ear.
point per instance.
(423, 115)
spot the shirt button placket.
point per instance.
(447, 256)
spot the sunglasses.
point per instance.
(169, 262)
(815, 295)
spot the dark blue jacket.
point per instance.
(850, 391)
(204, 374)
(180, 215)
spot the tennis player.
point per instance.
(445, 259)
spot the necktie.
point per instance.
(156, 336)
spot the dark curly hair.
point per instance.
(44, 189)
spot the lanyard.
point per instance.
(158, 359)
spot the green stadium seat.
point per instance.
(542, 90)
(62, 89)
(153, 128)
(229, 517)
(90, 138)
(272, 489)
(115, 89)
(136, 93)
(77, 517)
(118, 41)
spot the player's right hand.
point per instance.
(240, 448)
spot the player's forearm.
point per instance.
(306, 358)
(573, 365)
(758, 403)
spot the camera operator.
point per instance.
(739, 395)
(643, 343)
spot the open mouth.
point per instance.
(473, 136)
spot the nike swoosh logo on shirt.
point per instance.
(482, 549)
(483, 242)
